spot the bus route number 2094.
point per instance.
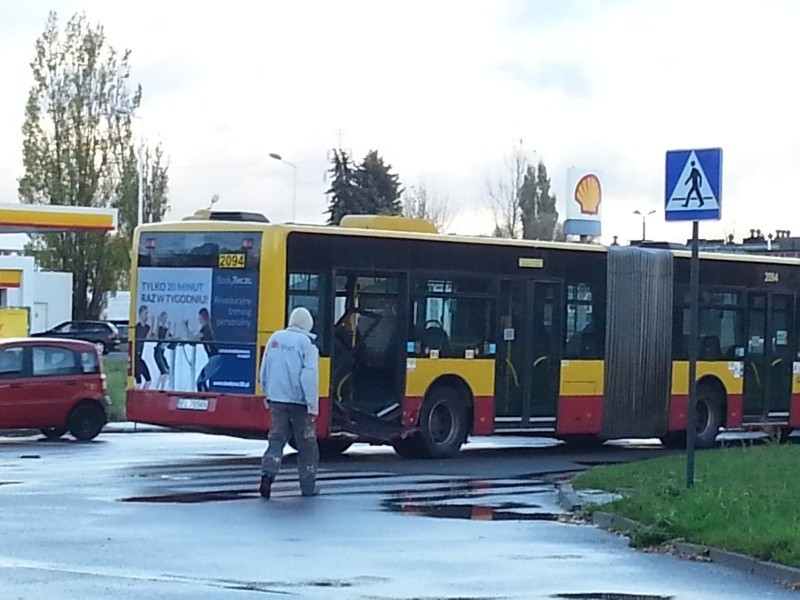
(231, 261)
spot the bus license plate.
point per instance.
(193, 404)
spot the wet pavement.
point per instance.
(163, 515)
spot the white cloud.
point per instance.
(442, 90)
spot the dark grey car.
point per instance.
(102, 334)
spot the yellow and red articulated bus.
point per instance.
(426, 339)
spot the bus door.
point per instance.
(369, 350)
(769, 357)
(528, 355)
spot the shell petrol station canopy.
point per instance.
(31, 218)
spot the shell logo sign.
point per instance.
(588, 194)
(584, 201)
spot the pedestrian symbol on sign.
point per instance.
(696, 179)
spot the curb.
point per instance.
(784, 574)
(568, 499)
(111, 427)
(132, 427)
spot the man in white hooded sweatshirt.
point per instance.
(290, 379)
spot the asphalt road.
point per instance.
(177, 515)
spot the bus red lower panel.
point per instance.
(412, 405)
(483, 420)
(679, 403)
(579, 415)
(794, 411)
(207, 411)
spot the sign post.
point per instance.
(693, 192)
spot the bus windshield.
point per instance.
(196, 311)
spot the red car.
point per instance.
(52, 385)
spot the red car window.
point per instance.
(10, 362)
(89, 363)
(51, 360)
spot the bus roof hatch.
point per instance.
(388, 223)
(226, 215)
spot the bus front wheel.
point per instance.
(332, 448)
(442, 423)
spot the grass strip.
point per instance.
(744, 499)
(116, 379)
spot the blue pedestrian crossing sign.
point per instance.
(693, 185)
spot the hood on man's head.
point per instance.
(301, 319)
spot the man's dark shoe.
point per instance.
(308, 492)
(266, 487)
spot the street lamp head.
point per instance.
(275, 156)
(637, 212)
(652, 212)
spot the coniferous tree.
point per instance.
(379, 188)
(537, 205)
(368, 189)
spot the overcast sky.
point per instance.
(443, 90)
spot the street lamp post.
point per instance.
(644, 219)
(294, 181)
(139, 164)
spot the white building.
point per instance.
(47, 294)
(118, 306)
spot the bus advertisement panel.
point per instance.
(196, 313)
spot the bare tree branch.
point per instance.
(503, 194)
(421, 203)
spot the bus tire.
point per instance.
(710, 415)
(674, 440)
(409, 448)
(583, 442)
(332, 448)
(442, 423)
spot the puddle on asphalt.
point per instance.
(611, 596)
(194, 497)
(506, 511)
(483, 500)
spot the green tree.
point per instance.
(380, 189)
(537, 205)
(368, 189)
(344, 196)
(78, 150)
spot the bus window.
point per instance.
(306, 290)
(452, 318)
(721, 334)
(585, 327)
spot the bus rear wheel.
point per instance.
(709, 415)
